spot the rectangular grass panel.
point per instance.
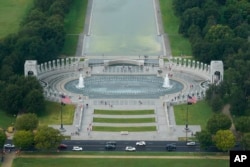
(52, 114)
(123, 120)
(117, 162)
(123, 112)
(129, 128)
(198, 114)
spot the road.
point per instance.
(151, 146)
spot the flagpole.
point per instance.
(186, 128)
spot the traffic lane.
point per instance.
(148, 148)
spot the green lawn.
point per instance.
(129, 129)
(52, 114)
(12, 13)
(117, 162)
(198, 114)
(74, 23)
(6, 120)
(123, 112)
(179, 45)
(123, 120)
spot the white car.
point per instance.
(130, 148)
(191, 143)
(77, 148)
(9, 146)
(140, 143)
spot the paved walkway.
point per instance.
(127, 156)
(8, 158)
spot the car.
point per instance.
(111, 143)
(130, 148)
(77, 148)
(191, 143)
(140, 143)
(110, 147)
(171, 147)
(9, 146)
(62, 146)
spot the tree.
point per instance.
(204, 138)
(26, 122)
(218, 32)
(218, 122)
(224, 140)
(242, 124)
(23, 139)
(245, 141)
(216, 103)
(2, 138)
(193, 16)
(34, 102)
(47, 138)
(13, 97)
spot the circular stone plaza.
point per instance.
(123, 62)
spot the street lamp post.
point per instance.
(61, 128)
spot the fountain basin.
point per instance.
(123, 86)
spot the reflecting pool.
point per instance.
(123, 28)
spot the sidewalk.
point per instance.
(8, 159)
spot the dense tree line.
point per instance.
(41, 37)
(219, 30)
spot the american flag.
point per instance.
(191, 100)
(65, 99)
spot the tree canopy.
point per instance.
(224, 140)
(218, 122)
(47, 138)
(28, 122)
(23, 139)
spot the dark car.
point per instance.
(171, 147)
(110, 147)
(111, 143)
(62, 146)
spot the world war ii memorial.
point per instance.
(123, 62)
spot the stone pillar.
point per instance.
(49, 65)
(54, 64)
(62, 63)
(45, 67)
(202, 66)
(193, 64)
(184, 63)
(189, 63)
(205, 67)
(67, 61)
(161, 63)
(58, 64)
(197, 65)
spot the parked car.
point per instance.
(140, 143)
(130, 148)
(62, 146)
(191, 143)
(9, 146)
(110, 147)
(77, 148)
(171, 147)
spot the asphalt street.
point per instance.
(151, 146)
